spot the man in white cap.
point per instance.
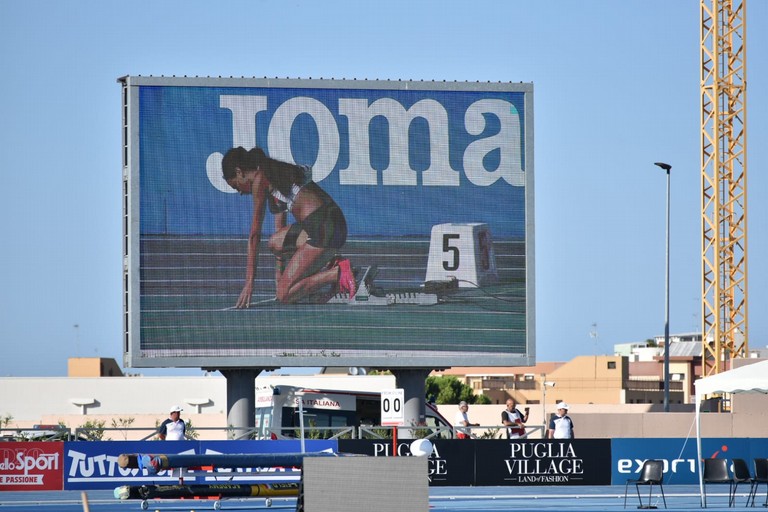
(561, 425)
(173, 428)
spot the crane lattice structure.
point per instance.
(723, 183)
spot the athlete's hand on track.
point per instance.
(244, 301)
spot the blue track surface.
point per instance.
(442, 499)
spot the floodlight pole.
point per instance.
(544, 384)
(666, 168)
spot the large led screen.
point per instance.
(275, 223)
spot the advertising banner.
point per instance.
(450, 463)
(31, 466)
(543, 462)
(501, 462)
(679, 456)
(327, 222)
(94, 464)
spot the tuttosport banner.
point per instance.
(31, 466)
(505, 462)
(94, 465)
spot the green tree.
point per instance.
(123, 423)
(189, 430)
(450, 390)
(94, 430)
(482, 400)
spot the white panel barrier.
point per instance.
(372, 484)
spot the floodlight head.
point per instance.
(664, 166)
(83, 403)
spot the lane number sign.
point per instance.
(392, 407)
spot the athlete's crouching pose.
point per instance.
(305, 251)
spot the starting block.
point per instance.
(463, 252)
(365, 297)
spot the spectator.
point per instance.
(173, 428)
(462, 420)
(561, 426)
(514, 420)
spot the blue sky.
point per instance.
(616, 88)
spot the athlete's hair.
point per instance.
(281, 175)
(242, 158)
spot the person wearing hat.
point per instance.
(173, 428)
(462, 420)
(561, 425)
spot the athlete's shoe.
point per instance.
(346, 278)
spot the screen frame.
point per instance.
(132, 356)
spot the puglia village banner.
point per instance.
(544, 462)
(505, 462)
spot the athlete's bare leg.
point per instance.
(282, 255)
(301, 277)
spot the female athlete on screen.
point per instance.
(306, 250)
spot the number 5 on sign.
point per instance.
(392, 413)
(463, 252)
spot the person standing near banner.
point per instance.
(462, 420)
(561, 426)
(514, 420)
(173, 428)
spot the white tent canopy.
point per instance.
(751, 378)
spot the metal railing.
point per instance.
(315, 433)
(419, 432)
(651, 385)
(33, 434)
(497, 432)
(233, 433)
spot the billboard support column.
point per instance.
(241, 399)
(412, 382)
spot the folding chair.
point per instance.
(741, 475)
(761, 477)
(651, 473)
(716, 472)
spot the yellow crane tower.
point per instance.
(723, 183)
